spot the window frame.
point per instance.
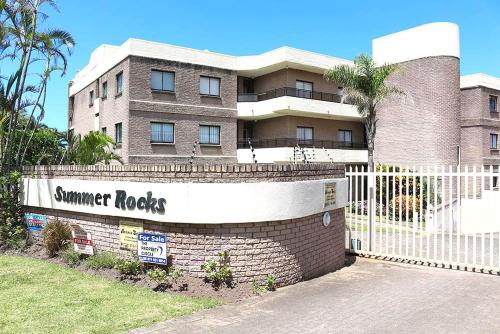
(105, 90)
(119, 88)
(490, 99)
(91, 98)
(119, 142)
(493, 135)
(305, 141)
(209, 80)
(304, 93)
(162, 89)
(210, 127)
(104, 130)
(344, 141)
(161, 142)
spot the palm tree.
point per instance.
(94, 148)
(365, 86)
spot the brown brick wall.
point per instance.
(421, 127)
(476, 126)
(292, 250)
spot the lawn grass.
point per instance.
(41, 297)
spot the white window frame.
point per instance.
(210, 81)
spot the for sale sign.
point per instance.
(152, 248)
(82, 240)
(35, 222)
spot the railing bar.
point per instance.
(414, 199)
(450, 217)
(434, 215)
(474, 191)
(428, 198)
(400, 252)
(393, 249)
(443, 203)
(350, 210)
(421, 213)
(489, 214)
(387, 180)
(482, 215)
(407, 220)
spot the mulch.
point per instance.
(185, 285)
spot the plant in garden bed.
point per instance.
(102, 260)
(56, 237)
(164, 277)
(218, 272)
(269, 285)
(70, 257)
(129, 267)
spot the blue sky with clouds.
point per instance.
(338, 28)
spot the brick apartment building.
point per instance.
(160, 101)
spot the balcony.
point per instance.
(292, 92)
(291, 142)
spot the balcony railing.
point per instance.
(290, 91)
(291, 142)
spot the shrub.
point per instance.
(218, 272)
(129, 267)
(413, 206)
(102, 260)
(158, 275)
(70, 257)
(56, 237)
(270, 282)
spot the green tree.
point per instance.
(365, 85)
(94, 148)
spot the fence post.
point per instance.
(371, 207)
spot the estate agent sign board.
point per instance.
(152, 248)
(193, 203)
(35, 222)
(82, 240)
(128, 234)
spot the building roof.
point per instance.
(106, 57)
(479, 80)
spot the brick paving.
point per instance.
(369, 296)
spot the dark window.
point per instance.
(493, 103)
(119, 83)
(209, 86)
(91, 98)
(305, 135)
(162, 132)
(493, 141)
(163, 81)
(210, 134)
(104, 89)
(345, 136)
(104, 131)
(304, 89)
(118, 133)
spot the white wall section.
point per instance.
(479, 80)
(428, 40)
(197, 203)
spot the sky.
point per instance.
(338, 28)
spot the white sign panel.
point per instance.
(152, 248)
(82, 240)
(194, 203)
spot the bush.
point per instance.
(218, 272)
(70, 257)
(130, 267)
(13, 230)
(102, 260)
(167, 275)
(413, 206)
(56, 237)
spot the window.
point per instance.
(210, 134)
(104, 131)
(493, 141)
(162, 132)
(493, 103)
(304, 89)
(104, 89)
(305, 135)
(91, 98)
(163, 81)
(345, 137)
(209, 86)
(118, 133)
(119, 83)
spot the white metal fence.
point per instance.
(443, 215)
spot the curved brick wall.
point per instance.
(292, 250)
(423, 126)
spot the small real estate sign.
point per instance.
(35, 222)
(152, 248)
(330, 194)
(128, 234)
(82, 240)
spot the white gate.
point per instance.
(443, 215)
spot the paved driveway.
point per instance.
(367, 297)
